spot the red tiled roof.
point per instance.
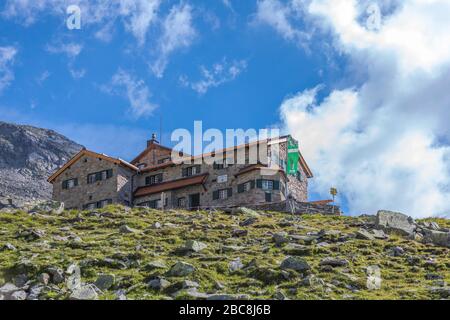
(171, 185)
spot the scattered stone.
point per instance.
(181, 285)
(280, 296)
(373, 278)
(294, 249)
(235, 265)
(105, 281)
(156, 264)
(245, 211)
(74, 280)
(156, 225)
(397, 252)
(239, 233)
(8, 246)
(311, 281)
(364, 235)
(295, 263)
(126, 230)
(20, 280)
(121, 295)
(333, 262)
(232, 248)
(44, 278)
(379, 234)
(443, 292)
(158, 284)
(395, 222)
(280, 238)
(85, 292)
(433, 276)
(181, 269)
(224, 297)
(57, 275)
(35, 291)
(18, 295)
(193, 245)
(248, 222)
(8, 290)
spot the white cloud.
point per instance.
(43, 77)
(135, 90)
(7, 57)
(178, 32)
(71, 50)
(137, 16)
(282, 17)
(220, 73)
(383, 143)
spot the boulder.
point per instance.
(158, 284)
(280, 238)
(73, 281)
(395, 222)
(181, 285)
(364, 235)
(8, 290)
(437, 237)
(245, 211)
(193, 245)
(181, 269)
(333, 262)
(126, 230)
(295, 263)
(235, 265)
(156, 264)
(294, 249)
(105, 281)
(248, 222)
(84, 292)
(57, 275)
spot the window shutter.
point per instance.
(230, 192)
(215, 166)
(268, 197)
(252, 184)
(64, 184)
(259, 183)
(240, 188)
(160, 178)
(98, 176)
(216, 195)
(198, 169)
(147, 181)
(109, 173)
(76, 182)
(276, 185)
(184, 172)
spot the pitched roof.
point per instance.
(151, 146)
(171, 185)
(84, 152)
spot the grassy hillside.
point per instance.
(136, 246)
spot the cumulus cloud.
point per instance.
(7, 57)
(135, 90)
(384, 143)
(219, 74)
(71, 50)
(177, 32)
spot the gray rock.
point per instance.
(235, 265)
(57, 275)
(181, 269)
(311, 281)
(395, 222)
(35, 291)
(20, 280)
(364, 235)
(333, 262)
(280, 238)
(195, 246)
(105, 281)
(73, 281)
(248, 222)
(156, 225)
(18, 295)
(192, 293)
(397, 252)
(239, 233)
(295, 263)
(155, 264)
(443, 292)
(121, 295)
(8, 246)
(294, 249)
(373, 277)
(7, 290)
(44, 278)
(158, 284)
(245, 211)
(437, 237)
(126, 230)
(379, 234)
(84, 292)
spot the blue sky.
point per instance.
(44, 92)
(361, 84)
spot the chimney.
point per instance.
(152, 141)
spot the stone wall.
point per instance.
(299, 208)
(85, 193)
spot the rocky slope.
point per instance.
(28, 156)
(122, 253)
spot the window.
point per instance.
(223, 194)
(191, 171)
(155, 204)
(99, 176)
(268, 184)
(247, 186)
(268, 197)
(155, 179)
(218, 166)
(182, 202)
(299, 176)
(70, 184)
